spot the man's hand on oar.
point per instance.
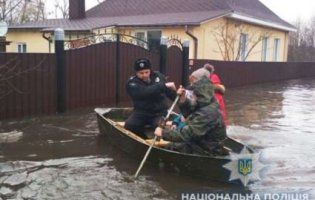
(158, 132)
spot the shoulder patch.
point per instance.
(132, 84)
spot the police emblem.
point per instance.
(157, 79)
(141, 65)
(245, 166)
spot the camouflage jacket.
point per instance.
(204, 122)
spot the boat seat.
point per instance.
(122, 124)
(149, 131)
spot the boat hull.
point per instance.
(193, 165)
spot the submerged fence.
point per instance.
(34, 84)
(27, 85)
(234, 74)
(28, 82)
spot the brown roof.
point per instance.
(158, 13)
(111, 8)
(168, 19)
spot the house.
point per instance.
(242, 30)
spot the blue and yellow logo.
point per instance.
(245, 166)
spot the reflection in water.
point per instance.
(63, 157)
(252, 105)
(283, 132)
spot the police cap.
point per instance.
(142, 64)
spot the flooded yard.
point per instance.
(65, 157)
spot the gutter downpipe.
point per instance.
(195, 42)
(49, 41)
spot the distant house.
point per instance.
(244, 30)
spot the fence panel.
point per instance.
(91, 75)
(174, 64)
(27, 86)
(235, 74)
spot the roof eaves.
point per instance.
(26, 27)
(216, 17)
(160, 25)
(49, 29)
(254, 20)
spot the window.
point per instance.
(264, 51)
(153, 38)
(276, 50)
(21, 48)
(141, 35)
(243, 46)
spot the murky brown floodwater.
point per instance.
(64, 157)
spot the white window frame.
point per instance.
(141, 31)
(264, 50)
(243, 46)
(276, 49)
(21, 45)
(145, 31)
(137, 42)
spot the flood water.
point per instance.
(64, 157)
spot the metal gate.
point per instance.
(174, 61)
(98, 71)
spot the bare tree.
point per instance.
(10, 9)
(19, 11)
(231, 47)
(62, 7)
(33, 11)
(302, 42)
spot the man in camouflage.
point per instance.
(205, 129)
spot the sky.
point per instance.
(289, 10)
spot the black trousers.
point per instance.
(137, 122)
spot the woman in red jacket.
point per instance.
(219, 90)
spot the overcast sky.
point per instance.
(288, 10)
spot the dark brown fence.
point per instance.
(27, 85)
(96, 75)
(235, 74)
(92, 73)
(174, 64)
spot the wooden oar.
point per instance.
(155, 138)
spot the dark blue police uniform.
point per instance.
(149, 100)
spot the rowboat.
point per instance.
(110, 122)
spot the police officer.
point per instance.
(149, 91)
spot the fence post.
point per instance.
(185, 72)
(117, 95)
(60, 69)
(163, 54)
